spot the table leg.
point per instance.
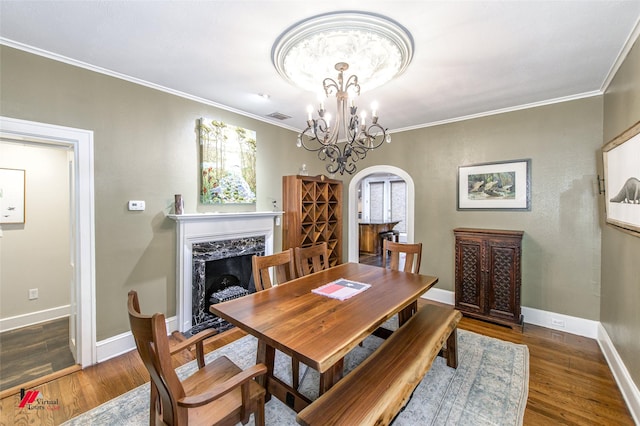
(266, 355)
(406, 313)
(331, 376)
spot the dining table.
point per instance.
(318, 330)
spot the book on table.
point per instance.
(341, 289)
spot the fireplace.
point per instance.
(221, 272)
(203, 240)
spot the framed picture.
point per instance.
(504, 185)
(621, 158)
(12, 182)
(228, 167)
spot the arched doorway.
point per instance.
(353, 247)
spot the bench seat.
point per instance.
(375, 391)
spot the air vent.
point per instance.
(278, 115)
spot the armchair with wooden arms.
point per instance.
(219, 393)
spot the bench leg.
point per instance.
(452, 349)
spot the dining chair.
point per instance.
(311, 259)
(405, 257)
(284, 270)
(218, 393)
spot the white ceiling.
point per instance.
(470, 58)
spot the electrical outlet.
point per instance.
(33, 293)
(557, 322)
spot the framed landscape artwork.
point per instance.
(228, 163)
(504, 185)
(12, 187)
(621, 158)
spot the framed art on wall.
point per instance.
(228, 163)
(504, 185)
(621, 158)
(12, 195)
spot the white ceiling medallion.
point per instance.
(376, 48)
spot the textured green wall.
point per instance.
(561, 246)
(146, 148)
(620, 315)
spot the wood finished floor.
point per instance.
(35, 351)
(569, 381)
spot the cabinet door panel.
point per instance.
(502, 282)
(469, 289)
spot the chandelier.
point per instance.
(351, 137)
(378, 48)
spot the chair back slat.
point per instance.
(283, 269)
(405, 255)
(311, 259)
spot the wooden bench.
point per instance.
(375, 391)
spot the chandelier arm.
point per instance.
(329, 84)
(352, 82)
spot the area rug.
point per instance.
(489, 387)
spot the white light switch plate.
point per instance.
(135, 205)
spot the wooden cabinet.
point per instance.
(488, 274)
(312, 213)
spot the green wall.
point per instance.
(561, 245)
(146, 148)
(620, 315)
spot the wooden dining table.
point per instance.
(318, 330)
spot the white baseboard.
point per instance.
(442, 296)
(627, 387)
(24, 320)
(123, 343)
(573, 325)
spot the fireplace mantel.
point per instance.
(197, 217)
(203, 227)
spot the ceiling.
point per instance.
(470, 58)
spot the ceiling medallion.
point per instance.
(373, 46)
(376, 48)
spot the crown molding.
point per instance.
(60, 58)
(622, 55)
(502, 111)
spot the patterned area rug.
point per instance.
(489, 387)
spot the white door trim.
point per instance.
(82, 143)
(353, 249)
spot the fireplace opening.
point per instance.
(221, 271)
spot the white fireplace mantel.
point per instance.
(203, 227)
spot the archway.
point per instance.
(353, 248)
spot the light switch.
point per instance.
(136, 205)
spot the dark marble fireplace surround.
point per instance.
(218, 265)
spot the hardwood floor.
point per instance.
(35, 351)
(569, 382)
